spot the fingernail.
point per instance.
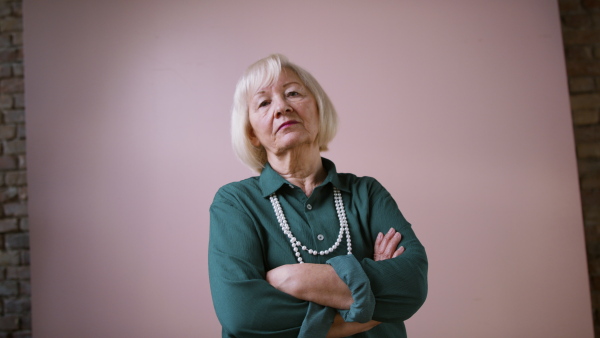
(397, 234)
(391, 230)
(379, 235)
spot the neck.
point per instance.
(302, 169)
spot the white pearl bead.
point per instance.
(341, 212)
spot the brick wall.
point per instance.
(15, 300)
(581, 34)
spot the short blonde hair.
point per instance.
(263, 73)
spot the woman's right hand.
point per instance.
(385, 245)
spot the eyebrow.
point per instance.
(284, 86)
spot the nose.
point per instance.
(282, 107)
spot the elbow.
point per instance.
(238, 323)
(418, 299)
(418, 294)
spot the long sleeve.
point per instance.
(246, 305)
(246, 241)
(399, 284)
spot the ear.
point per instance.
(253, 139)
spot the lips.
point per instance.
(286, 124)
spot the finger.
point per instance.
(384, 242)
(398, 252)
(392, 244)
(378, 242)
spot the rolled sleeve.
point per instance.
(351, 272)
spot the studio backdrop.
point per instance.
(459, 108)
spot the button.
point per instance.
(309, 207)
(320, 237)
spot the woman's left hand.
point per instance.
(385, 245)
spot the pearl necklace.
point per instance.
(341, 212)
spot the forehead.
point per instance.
(281, 78)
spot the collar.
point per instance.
(270, 181)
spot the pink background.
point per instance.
(459, 108)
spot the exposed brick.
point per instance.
(19, 100)
(24, 287)
(8, 55)
(15, 209)
(5, 8)
(21, 131)
(7, 132)
(22, 160)
(588, 150)
(14, 116)
(8, 225)
(590, 181)
(579, 37)
(595, 19)
(582, 84)
(8, 163)
(590, 4)
(14, 147)
(13, 85)
(17, 241)
(18, 272)
(9, 288)
(24, 224)
(577, 20)
(588, 133)
(5, 40)
(16, 38)
(583, 67)
(25, 325)
(17, 8)
(586, 116)
(11, 24)
(22, 193)
(25, 257)
(16, 178)
(23, 334)
(585, 101)
(6, 101)
(567, 6)
(10, 322)
(16, 305)
(17, 69)
(8, 193)
(9, 258)
(573, 53)
(5, 71)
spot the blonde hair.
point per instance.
(263, 73)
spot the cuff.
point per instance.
(352, 273)
(317, 322)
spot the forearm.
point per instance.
(318, 283)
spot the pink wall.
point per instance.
(459, 107)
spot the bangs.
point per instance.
(260, 75)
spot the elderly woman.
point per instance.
(353, 278)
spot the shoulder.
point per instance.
(235, 191)
(360, 184)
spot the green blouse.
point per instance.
(246, 241)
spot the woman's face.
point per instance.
(284, 115)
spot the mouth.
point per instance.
(286, 124)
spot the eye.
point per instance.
(293, 93)
(263, 103)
